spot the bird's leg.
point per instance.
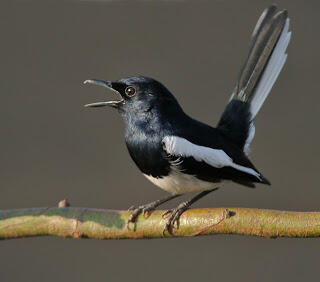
(178, 211)
(148, 208)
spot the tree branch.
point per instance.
(111, 224)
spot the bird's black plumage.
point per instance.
(154, 113)
(181, 154)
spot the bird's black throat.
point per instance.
(143, 136)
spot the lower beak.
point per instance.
(108, 85)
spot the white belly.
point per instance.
(180, 183)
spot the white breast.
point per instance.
(180, 183)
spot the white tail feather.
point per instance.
(272, 70)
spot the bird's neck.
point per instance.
(154, 123)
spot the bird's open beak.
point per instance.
(108, 85)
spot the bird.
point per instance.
(182, 155)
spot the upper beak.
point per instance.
(107, 84)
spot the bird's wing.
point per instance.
(210, 164)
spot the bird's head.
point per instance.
(136, 95)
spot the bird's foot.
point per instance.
(174, 216)
(146, 210)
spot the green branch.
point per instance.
(110, 224)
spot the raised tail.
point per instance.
(266, 57)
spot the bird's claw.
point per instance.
(174, 217)
(167, 212)
(146, 210)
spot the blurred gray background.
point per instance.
(53, 148)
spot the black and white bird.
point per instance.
(182, 155)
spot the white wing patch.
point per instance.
(272, 70)
(177, 146)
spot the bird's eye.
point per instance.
(130, 91)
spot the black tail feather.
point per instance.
(249, 94)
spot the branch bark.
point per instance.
(110, 224)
